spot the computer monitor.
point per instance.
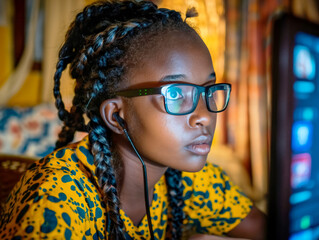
(293, 204)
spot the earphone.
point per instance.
(122, 123)
(120, 120)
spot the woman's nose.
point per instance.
(201, 116)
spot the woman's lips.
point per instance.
(199, 149)
(200, 146)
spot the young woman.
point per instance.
(146, 84)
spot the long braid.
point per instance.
(62, 112)
(98, 47)
(68, 52)
(176, 203)
(99, 136)
(106, 176)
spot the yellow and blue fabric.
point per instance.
(59, 198)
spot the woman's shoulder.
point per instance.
(211, 198)
(56, 188)
(211, 180)
(59, 173)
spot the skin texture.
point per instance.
(164, 140)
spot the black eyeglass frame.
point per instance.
(162, 90)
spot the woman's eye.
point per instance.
(174, 93)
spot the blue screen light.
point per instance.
(301, 136)
(304, 235)
(304, 87)
(300, 197)
(305, 113)
(304, 63)
(300, 170)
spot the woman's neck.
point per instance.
(132, 183)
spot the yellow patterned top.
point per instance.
(59, 198)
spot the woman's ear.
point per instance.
(107, 109)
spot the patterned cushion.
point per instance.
(26, 134)
(29, 131)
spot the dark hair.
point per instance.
(98, 47)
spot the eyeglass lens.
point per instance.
(217, 98)
(182, 99)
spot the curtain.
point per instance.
(306, 9)
(31, 81)
(247, 40)
(247, 68)
(58, 17)
(6, 46)
(13, 79)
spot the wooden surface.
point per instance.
(11, 169)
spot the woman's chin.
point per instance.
(193, 165)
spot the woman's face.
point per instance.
(180, 142)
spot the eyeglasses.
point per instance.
(182, 98)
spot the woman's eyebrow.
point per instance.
(176, 77)
(211, 79)
(172, 78)
(212, 76)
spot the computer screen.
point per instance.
(293, 204)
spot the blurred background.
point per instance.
(237, 33)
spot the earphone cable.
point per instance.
(147, 205)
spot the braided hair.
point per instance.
(98, 47)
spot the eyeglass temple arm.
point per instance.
(139, 92)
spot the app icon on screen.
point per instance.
(303, 88)
(301, 136)
(304, 235)
(300, 169)
(305, 113)
(304, 63)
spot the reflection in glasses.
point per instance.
(182, 98)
